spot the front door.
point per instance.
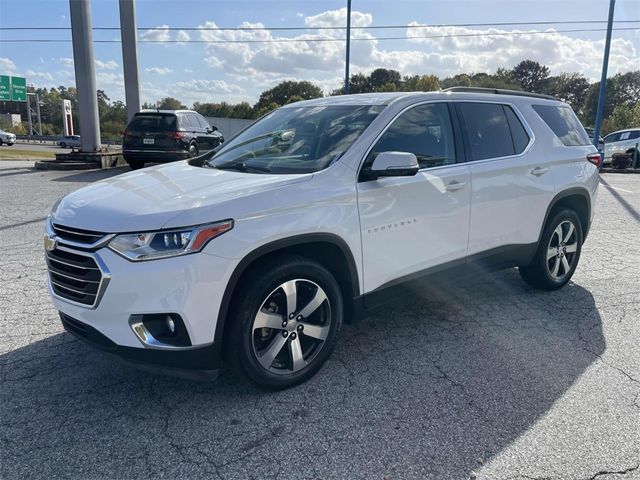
(412, 224)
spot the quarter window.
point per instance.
(425, 131)
(488, 130)
(564, 124)
(518, 133)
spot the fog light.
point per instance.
(171, 326)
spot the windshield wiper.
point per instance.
(242, 167)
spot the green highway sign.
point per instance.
(13, 88)
(18, 89)
(5, 88)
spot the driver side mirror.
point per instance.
(394, 164)
(211, 129)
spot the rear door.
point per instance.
(412, 224)
(510, 191)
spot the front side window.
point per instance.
(488, 130)
(425, 131)
(296, 139)
(564, 124)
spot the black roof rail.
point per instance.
(499, 91)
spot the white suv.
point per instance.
(315, 213)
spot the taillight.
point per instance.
(175, 135)
(126, 133)
(595, 158)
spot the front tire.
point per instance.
(135, 164)
(63, 145)
(10, 144)
(558, 253)
(286, 317)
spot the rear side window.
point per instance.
(153, 123)
(564, 124)
(193, 119)
(629, 135)
(487, 130)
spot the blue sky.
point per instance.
(235, 72)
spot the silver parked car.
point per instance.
(622, 141)
(68, 141)
(7, 137)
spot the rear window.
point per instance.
(564, 124)
(153, 123)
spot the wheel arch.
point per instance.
(576, 199)
(319, 247)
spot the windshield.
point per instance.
(296, 140)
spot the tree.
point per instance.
(170, 103)
(569, 87)
(381, 77)
(460, 80)
(281, 93)
(621, 118)
(531, 75)
(622, 89)
(420, 83)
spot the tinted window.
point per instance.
(628, 135)
(193, 119)
(425, 131)
(203, 121)
(564, 124)
(518, 133)
(153, 122)
(487, 130)
(612, 137)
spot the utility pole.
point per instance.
(130, 57)
(348, 50)
(38, 114)
(82, 38)
(603, 79)
(29, 115)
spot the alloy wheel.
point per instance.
(562, 250)
(291, 326)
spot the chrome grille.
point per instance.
(75, 277)
(77, 235)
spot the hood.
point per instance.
(150, 198)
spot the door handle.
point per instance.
(539, 171)
(454, 185)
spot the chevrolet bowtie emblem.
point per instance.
(50, 243)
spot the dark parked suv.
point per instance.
(167, 135)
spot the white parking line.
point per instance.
(621, 189)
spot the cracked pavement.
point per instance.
(483, 378)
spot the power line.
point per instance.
(337, 27)
(329, 40)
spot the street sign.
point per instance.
(18, 89)
(5, 88)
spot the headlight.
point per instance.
(167, 243)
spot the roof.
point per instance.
(634, 129)
(154, 110)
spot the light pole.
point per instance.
(348, 45)
(603, 79)
(130, 57)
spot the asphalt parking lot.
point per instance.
(484, 378)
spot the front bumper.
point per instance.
(201, 363)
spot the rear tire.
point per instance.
(135, 164)
(558, 252)
(0, 141)
(285, 319)
(193, 150)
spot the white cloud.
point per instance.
(158, 34)
(7, 65)
(183, 36)
(158, 70)
(43, 75)
(66, 61)
(338, 19)
(109, 65)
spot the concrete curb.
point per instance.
(620, 170)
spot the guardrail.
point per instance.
(51, 140)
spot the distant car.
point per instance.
(69, 141)
(166, 136)
(622, 141)
(7, 137)
(591, 133)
